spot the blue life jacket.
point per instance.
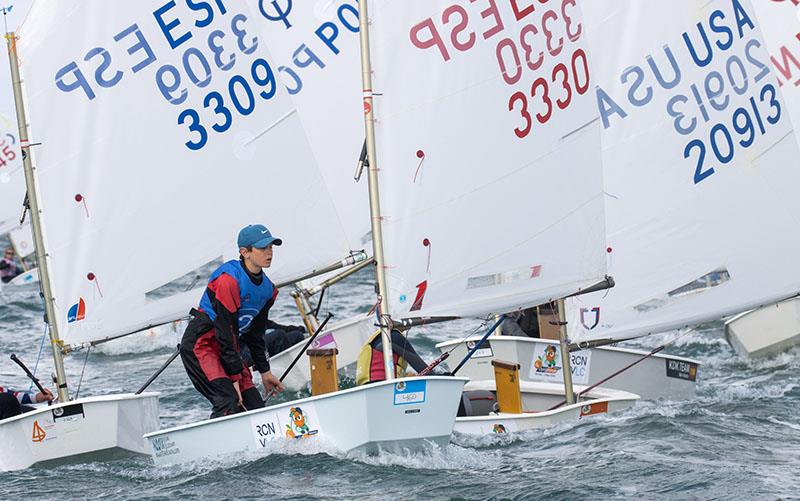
(252, 297)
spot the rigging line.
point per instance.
(85, 359)
(617, 373)
(38, 357)
(44, 334)
(474, 331)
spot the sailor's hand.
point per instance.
(270, 382)
(238, 393)
(301, 328)
(45, 396)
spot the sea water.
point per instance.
(739, 438)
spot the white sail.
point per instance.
(318, 56)
(164, 130)
(701, 167)
(490, 198)
(780, 23)
(22, 240)
(12, 177)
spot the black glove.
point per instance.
(301, 328)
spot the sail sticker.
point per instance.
(590, 317)
(505, 277)
(38, 434)
(410, 392)
(77, 311)
(164, 446)
(484, 351)
(546, 364)
(422, 287)
(681, 369)
(595, 408)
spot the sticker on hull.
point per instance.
(680, 369)
(410, 392)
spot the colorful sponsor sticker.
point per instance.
(410, 392)
(546, 364)
(299, 421)
(77, 311)
(681, 369)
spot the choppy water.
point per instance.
(738, 439)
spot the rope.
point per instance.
(85, 359)
(38, 357)
(474, 331)
(620, 371)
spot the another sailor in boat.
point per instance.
(370, 369)
(233, 309)
(523, 323)
(278, 338)
(8, 267)
(13, 403)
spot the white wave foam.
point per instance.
(155, 338)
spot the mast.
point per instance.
(566, 366)
(374, 197)
(36, 224)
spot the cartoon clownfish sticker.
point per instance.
(298, 427)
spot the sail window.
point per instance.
(703, 283)
(185, 282)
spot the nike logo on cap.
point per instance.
(265, 231)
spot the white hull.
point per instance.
(347, 336)
(765, 331)
(109, 424)
(366, 418)
(659, 376)
(28, 277)
(537, 398)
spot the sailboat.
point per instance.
(697, 230)
(773, 328)
(136, 197)
(470, 280)
(318, 55)
(464, 236)
(12, 188)
(85, 426)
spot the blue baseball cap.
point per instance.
(257, 235)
